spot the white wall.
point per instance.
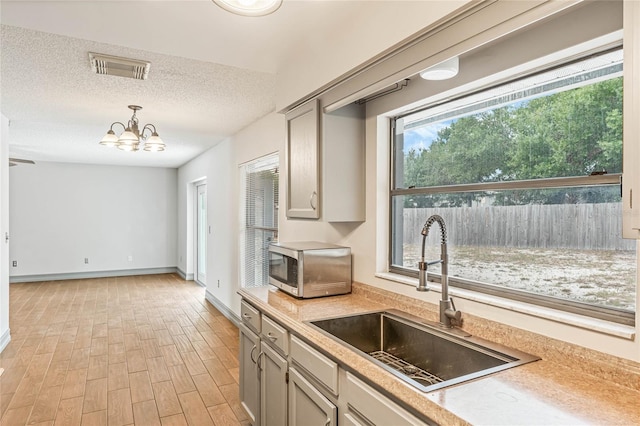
(220, 167)
(4, 228)
(315, 62)
(63, 213)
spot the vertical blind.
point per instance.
(259, 218)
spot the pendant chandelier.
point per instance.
(132, 136)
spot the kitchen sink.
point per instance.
(420, 352)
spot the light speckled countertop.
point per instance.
(544, 392)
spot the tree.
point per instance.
(570, 133)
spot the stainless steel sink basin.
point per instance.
(420, 352)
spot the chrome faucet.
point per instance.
(448, 311)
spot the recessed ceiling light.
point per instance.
(442, 71)
(249, 7)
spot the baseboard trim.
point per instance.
(184, 275)
(91, 274)
(228, 313)
(5, 339)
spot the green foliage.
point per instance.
(570, 133)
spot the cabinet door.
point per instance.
(273, 387)
(343, 164)
(350, 419)
(374, 408)
(631, 125)
(249, 374)
(307, 406)
(303, 137)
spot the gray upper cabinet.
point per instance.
(326, 163)
(343, 162)
(303, 147)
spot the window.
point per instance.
(259, 216)
(527, 178)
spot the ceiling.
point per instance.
(212, 73)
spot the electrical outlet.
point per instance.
(15, 263)
(130, 258)
(86, 260)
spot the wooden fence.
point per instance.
(571, 226)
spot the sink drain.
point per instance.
(410, 369)
(423, 377)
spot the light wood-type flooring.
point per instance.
(143, 350)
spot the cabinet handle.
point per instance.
(272, 336)
(246, 315)
(258, 361)
(251, 354)
(328, 422)
(313, 194)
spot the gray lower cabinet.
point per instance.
(366, 406)
(307, 406)
(249, 373)
(350, 419)
(273, 387)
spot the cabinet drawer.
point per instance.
(318, 365)
(374, 406)
(250, 316)
(275, 335)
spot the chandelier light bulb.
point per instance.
(110, 139)
(132, 147)
(128, 137)
(154, 143)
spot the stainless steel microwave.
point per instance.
(310, 269)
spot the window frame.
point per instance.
(612, 314)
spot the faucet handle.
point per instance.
(453, 313)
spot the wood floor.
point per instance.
(145, 350)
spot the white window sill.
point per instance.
(601, 326)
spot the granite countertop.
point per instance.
(545, 392)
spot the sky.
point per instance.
(422, 137)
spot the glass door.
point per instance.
(201, 234)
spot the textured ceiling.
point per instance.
(212, 73)
(59, 109)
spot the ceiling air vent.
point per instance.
(122, 67)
